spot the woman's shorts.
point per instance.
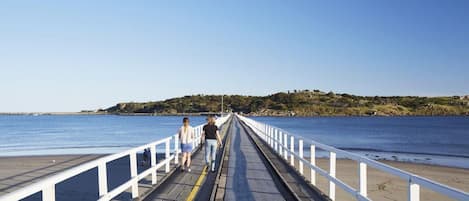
(186, 147)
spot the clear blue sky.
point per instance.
(68, 56)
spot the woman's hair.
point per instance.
(185, 119)
(211, 120)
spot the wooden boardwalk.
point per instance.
(248, 173)
(248, 178)
(184, 185)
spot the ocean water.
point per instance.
(82, 134)
(432, 140)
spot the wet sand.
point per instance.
(16, 172)
(384, 186)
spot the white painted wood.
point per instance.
(271, 134)
(176, 148)
(133, 173)
(292, 149)
(275, 140)
(332, 169)
(414, 191)
(313, 163)
(154, 175)
(280, 138)
(167, 154)
(363, 180)
(102, 179)
(285, 140)
(48, 193)
(300, 152)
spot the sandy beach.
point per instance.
(384, 186)
(16, 172)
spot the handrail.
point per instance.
(47, 185)
(278, 140)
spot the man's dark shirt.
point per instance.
(210, 131)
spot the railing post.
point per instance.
(196, 138)
(313, 162)
(300, 152)
(270, 136)
(176, 148)
(102, 179)
(167, 156)
(48, 193)
(133, 173)
(275, 140)
(280, 137)
(264, 133)
(285, 140)
(271, 133)
(292, 149)
(154, 178)
(414, 191)
(363, 179)
(332, 168)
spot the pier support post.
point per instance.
(48, 194)
(154, 179)
(102, 179)
(292, 149)
(133, 174)
(332, 169)
(313, 162)
(363, 179)
(414, 191)
(167, 156)
(300, 152)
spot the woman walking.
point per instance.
(186, 136)
(212, 139)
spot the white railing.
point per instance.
(278, 141)
(47, 185)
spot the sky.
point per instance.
(61, 56)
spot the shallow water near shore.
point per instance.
(429, 140)
(24, 135)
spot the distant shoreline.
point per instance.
(100, 113)
(205, 114)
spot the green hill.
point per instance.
(304, 103)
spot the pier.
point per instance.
(257, 162)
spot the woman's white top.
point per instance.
(186, 134)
